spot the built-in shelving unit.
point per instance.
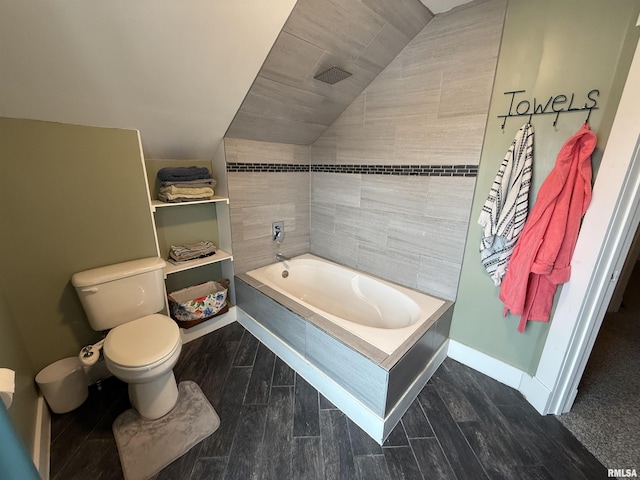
(219, 256)
(189, 222)
(155, 204)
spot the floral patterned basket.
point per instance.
(193, 305)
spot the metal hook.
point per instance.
(588, 116)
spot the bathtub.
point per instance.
(381, 313)
(368, 345)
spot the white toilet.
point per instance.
(142, 346)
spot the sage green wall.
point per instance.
(72, 198)
(548, 48)
(13, 355)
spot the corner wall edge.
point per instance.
(533, 390)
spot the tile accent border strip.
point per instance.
(267, 167)
(408, 170)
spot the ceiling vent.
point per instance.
(332, 75)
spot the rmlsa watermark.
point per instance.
(622, 472)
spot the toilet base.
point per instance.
(154, 399)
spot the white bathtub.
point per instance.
(381, 313)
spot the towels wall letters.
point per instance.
(555, 104)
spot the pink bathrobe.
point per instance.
(541, 258)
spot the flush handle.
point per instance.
(89, 290)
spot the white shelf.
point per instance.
(219, 256)
(157, 203)
(193, 224)
(189, 334)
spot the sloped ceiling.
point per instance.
(286, 104)
(177, 70)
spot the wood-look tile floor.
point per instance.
(274, 425)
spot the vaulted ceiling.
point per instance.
(179, 71)
(286, 104)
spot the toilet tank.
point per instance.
(116, 294)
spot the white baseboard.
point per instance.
(483, 363)
(42, 439)
(536, 393)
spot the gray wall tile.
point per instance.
(439, 277)
(456, 204)
(286, 325)
(324, 150)
(257, 220)
(336, 188)
(429, 106)
(323, 218)
(437, 237)
(354, 372)
(286, 104)
(405, 15)
(247, 189)
(398, 266)
(258, 199)
(293, 61)
(404, 373)
(324, 27)
(289, 187)
(249, 151)
(449, 141)
(364, 225)
(395, 194)
(337, 247)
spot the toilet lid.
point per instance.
(142, 342)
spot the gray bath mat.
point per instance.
(147, 446)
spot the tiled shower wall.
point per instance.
(267, 182)
(388, 187)
(427, 108)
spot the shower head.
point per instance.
(332, 75)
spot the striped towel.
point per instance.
(507, 206)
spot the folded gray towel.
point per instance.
(191, 250)
(172, 174)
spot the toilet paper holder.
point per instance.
(7, 386)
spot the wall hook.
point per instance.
(588, 116)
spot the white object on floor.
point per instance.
(147, 446)
(7, 386)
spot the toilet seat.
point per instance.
(142, 343)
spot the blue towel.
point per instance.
(173, 174)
